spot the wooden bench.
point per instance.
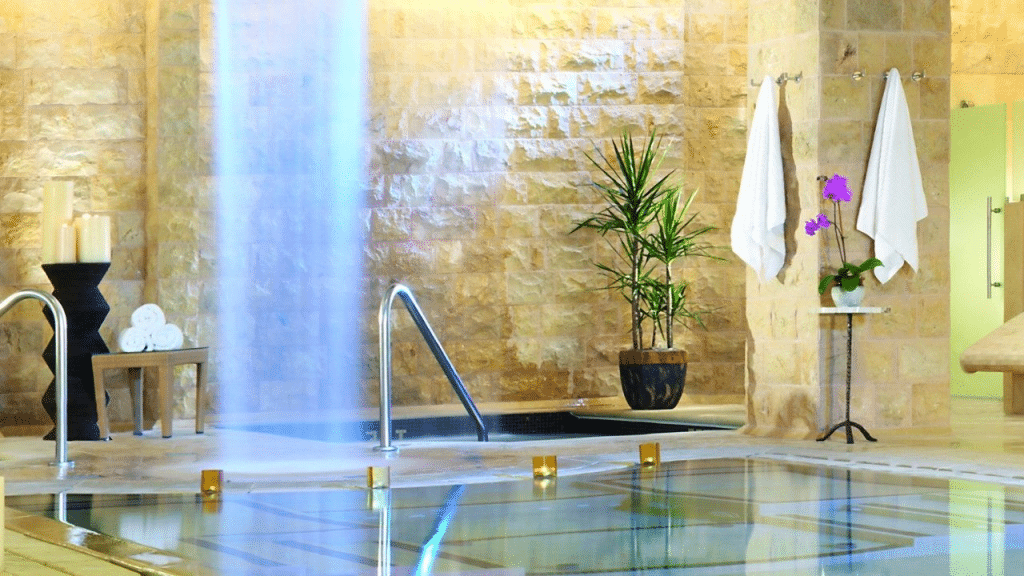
(164, 361)
(1002, 350)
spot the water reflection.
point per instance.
(720, 517)
(380, 500)
(977, 525)
(432, 545)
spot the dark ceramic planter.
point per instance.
(652, 379)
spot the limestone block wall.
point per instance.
(479, 120)
(477, 125)
(72, 107)
(987, 56)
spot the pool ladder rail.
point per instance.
(60, 371)
(384, 323)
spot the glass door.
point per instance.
(977, 185)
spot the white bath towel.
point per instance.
(758, 226)
(133, 339)
(148, 317)
(167, 337)
(893, 200)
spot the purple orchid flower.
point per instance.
(812, 226)
(836, 189)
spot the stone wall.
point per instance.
(479, 122)
(107, 94)
(72, 107)
(987, 56)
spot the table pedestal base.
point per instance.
(849, 425)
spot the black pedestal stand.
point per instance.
(76, 287)
(848, 424)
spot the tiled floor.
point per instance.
(981, 445)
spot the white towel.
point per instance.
(893, 199)
(133, 339)
(167, 337)
(148, 317)
(758, 226)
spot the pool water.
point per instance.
(500, 427)
(704, 517)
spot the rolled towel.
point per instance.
(167, 337)
(148, 317)
(133, 339)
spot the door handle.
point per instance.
(989, 211)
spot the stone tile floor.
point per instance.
(980, 444)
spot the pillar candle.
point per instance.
(94, 238)
(67, 244)
(58, 198)
(79, 224)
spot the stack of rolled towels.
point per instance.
(150, 331)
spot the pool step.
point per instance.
(713, 416)
(577, 422)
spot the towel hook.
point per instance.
(782, 79)
(858, 75)
(916, 76)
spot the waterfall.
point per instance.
(289, 98)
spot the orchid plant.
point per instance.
(848, 276)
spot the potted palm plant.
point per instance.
(649, 229)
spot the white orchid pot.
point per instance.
(844, 299)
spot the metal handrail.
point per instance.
(60, 370)
(384, 323)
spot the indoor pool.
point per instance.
(701, 517)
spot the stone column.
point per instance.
(179, 196)
(901, 370)
(900, 358)
(782, 346)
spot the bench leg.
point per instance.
(136, 374)
(100, 389)
(1013, 393)
(200, 397)
(166, 411)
